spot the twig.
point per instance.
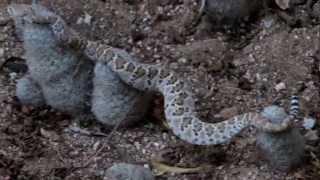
(90, 159)
(200, 12)
(86, 132)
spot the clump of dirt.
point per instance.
(230, 75)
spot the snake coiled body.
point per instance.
(179, 102)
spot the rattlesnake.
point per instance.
(179, 103)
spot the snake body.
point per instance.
(179, 102)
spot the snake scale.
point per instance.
(179, 102)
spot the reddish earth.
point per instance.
(230, 75)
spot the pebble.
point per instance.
(268, 22)
(309, 123)
(229, 112)
(13, 76)
(182, 60)
(283, 4)
(87, 18)
(1, 52)
(229, 12)
(4, 21)
(156, 56)
(280, 86)
(96, 145)
(316, 9)
(312, 135)
(124, 171)
(2, 37)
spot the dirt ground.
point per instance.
(231, 74)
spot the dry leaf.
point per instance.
(315, 162)
(49, 134)
(163, 168)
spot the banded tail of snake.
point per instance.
(179, 103)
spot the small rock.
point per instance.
(123, 171)
(96, 145)
(49, 134)
(309, 123)
(245, 83)
(26, 109)
(316, 9)
(87, 18)
(13, 76)
(283, 4)
(231, 12)
(80, 20)
(156, 56)
(280, 86)
(4, 21)
(182, 60)
(1, 52)
(311, 135)
(229, 112)
(268, 22)
(2, 37)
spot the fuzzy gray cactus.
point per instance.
(113, 101)
(52, 70)
(284, 150)
(67, 81)
(230, 12)
(29, 92)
